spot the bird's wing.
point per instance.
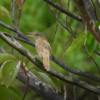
(46, 55)
(46, 46)
(42, 45)
(46, 59)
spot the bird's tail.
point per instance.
(46, 60)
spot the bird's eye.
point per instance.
(36, 34)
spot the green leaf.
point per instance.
(0, 75)
(98, 25)
(8, 70)
(14, 72)
(77, 43)
(9, 93)
(4, 57)
(47, 80)
(91, 43)
(56, 82)
(15, 91)
(4, 11)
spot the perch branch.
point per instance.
(27, 54)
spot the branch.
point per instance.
(63, 10)
(12, 12)
(61, 23)
(29, 56)
(87, 13)
(2, 50)
(57, 15)
(38, 86)
(64, 66)
(88, 52)
(97, 53)
(16, 31)
(19, 14)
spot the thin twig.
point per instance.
(20, 39)
(74, 92)
(87, 51)
(55, 28)
(64, 49)
(13, 12)
(97, 53)
(2, 50)
(67, 24)
(54, 73)
(65, 92)
(13, 16)
(60, 22)
(64, 66)
(26, 89)
(98, 97)
(19, 14)
(16, 31)
(63, 10)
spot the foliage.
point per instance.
(10, 93)
(35, 16)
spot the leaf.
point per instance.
(8, 71)
(20, 3)
(47, 80)
(0, 75)
(9, 93)
(91, 43)
(15, 72)
(4, 57)
(98, 25)
(56, 82)
(4, 11)
(77, 43)
(15, 91)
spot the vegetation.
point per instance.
(73, 32)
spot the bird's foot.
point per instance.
(36, 56)
(47, 70)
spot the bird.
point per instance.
(42, 47)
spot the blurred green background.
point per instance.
(36, 16)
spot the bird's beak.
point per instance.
(30, 34)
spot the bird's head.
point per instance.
(36, 35)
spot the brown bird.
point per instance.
(43, 48)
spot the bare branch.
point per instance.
(63, 10)
(64, 66)
(38, 86)
(65, 92)
(87, 51)
(55, 28)
(64, 49)
(98, 97)
(27, 82)
(61, 23)
(19, 14)
(2, 50)
(16, 30)
(13, 13)
(74, 92)
(97, 53)
(29, 56)
(88, 15)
